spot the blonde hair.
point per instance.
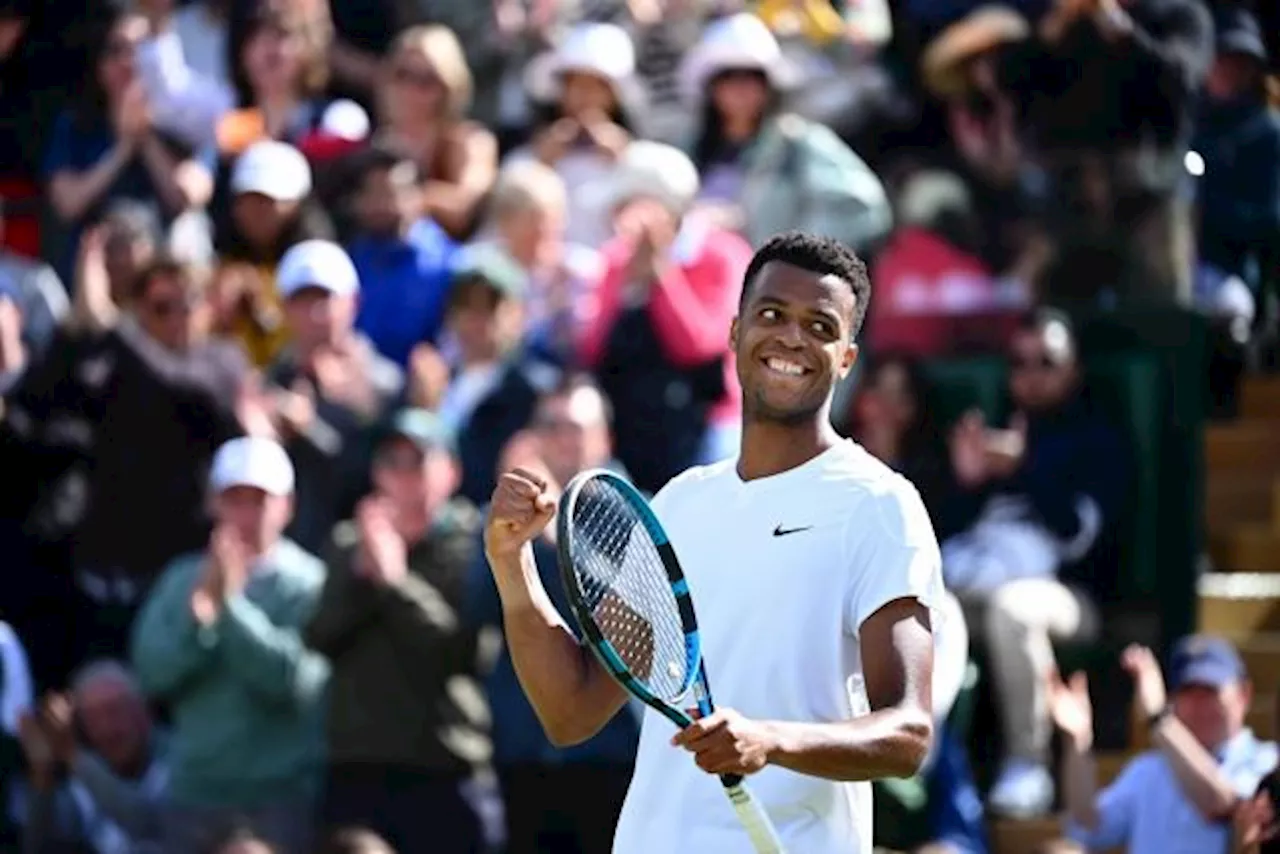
(527, 185)
(440, 47)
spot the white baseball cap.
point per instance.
(274, 169)
(317, 264)
(252, 461)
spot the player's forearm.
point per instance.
(887, 743)
(571, 694)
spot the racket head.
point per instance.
(627, 591)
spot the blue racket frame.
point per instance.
(592, 636)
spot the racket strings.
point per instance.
(625, 586)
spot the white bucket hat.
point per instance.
(603, 50)
(740, 41)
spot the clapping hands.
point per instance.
(226, 570)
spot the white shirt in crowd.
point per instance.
(783, 571)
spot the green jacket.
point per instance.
(405, 690)
(245, 693)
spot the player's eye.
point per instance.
(769, 314)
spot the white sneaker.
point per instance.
(1023, 790)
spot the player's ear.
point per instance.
(848, 360)
(733, 334)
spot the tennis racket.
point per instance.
(632, 603)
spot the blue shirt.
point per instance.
(517, 735)
(77, 146)
(1145, 811)
(404, 285)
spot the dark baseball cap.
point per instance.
(1205, 660)
(422, 427)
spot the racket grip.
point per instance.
(731, 780)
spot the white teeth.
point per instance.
(784, 367)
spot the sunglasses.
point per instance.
(119, 49)
(402, 459)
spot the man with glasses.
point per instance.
(1032, 525)
(408, 725)
(120, 428)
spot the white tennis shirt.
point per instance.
(783, 571)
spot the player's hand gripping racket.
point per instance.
(632, 604)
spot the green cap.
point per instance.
(490, 265)
(422, 427)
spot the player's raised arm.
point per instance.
(568, 689)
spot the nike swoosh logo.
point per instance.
(782, 532)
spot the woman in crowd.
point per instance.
(424, 96)
(588, 82)
(765, 170)
(658, 337)
(105, 148)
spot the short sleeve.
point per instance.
(891, 553)
(19, 693)
(1115, 806)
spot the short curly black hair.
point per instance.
(821, 255)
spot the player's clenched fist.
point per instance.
(520, 509)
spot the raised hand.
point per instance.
(1148, 682)
(969, 450)
(384, 555)
(1071, 709)
(520, 509)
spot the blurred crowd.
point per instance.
(286, 283)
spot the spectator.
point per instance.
(526, 223)
(1110, 89)
(219, 641)
(272, 209)
(139, 411)
(402, 257)
(425, 93)
(1256, 826)
(1179, 796)
(659, 339)
(332, 386)
(930, 278)
(278, 54)
(110, 259)
(1029, 539)
(765, 171)
(893, 418)
(588, 80)
(112, 796)
(496, 384)
(106, 147)
(407, 757)
(1238, 140)
(558, 801)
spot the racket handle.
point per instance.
(764, 838)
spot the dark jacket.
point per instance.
(127, 430)
(1089, 92)
(1072, 454)
(332, 458)
(404, 689)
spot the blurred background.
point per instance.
(285, 283)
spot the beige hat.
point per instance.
(981, 30)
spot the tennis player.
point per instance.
(814, 569)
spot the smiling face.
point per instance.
(793, 342)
